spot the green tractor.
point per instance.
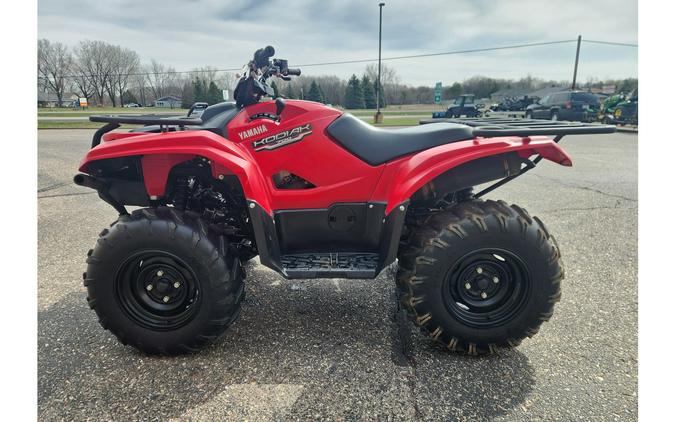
(621, 109)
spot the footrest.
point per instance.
(331, 265)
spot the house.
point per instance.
(170, 101)
(49, 99)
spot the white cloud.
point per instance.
(224, 34)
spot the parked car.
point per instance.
(565, 105)
(131, 105)
(462, 106)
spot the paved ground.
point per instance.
(341, 350)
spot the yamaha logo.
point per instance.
(282, 138)
(254, 131)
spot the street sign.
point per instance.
(226, 94)
(438, 90)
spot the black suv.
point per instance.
(565, 105)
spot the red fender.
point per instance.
(403, 177)
(164, 150)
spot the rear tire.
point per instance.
(160, 283)
(480, 276)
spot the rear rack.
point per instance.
(489, 127)
(163, 121)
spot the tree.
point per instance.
(368, 92)
(124, 62)
(128, 97)
(455, 90)
(54, 64)
(214, 95)
(93, 61)
(275, 88)
(354, 94)
(289, 92)
(199, 91)
(314, 93)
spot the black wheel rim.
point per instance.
(157, 290)
(487, 288)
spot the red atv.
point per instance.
(317, 193)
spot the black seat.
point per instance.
(376, 146)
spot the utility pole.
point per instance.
(576, 63)
(378, 115)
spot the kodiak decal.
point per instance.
(283, 138)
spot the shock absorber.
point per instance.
(181, 192)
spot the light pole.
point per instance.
(576, 64)
(378, 115)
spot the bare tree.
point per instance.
(94, 62)
(54, 65)
(159, 78)
(123, 63)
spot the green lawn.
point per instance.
(70, 112)
(55, 124)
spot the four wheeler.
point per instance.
(317, 193)
(462, 106)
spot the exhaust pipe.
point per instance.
(102, 188)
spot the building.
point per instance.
(170, 101)
(49, 99)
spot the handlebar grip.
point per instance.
(294, 72)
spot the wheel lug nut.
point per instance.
(483, 295)
(468, 286)
(176, 285)
(479, 270)
(148, 287)
(165, 299)
(495, 280)
(160, 273)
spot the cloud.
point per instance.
(224, 34)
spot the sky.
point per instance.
(224, 34)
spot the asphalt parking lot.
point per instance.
(341, 349)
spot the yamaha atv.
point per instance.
(317, 193)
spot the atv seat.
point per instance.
(376, 146)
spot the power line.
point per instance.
(413, 56)
(621, 44)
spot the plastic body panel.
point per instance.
(338, 176)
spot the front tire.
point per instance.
(480, 276)
(160, 283)
(554, 116)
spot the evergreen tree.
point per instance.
(289, 91)
(275, 88)
(199, 90)
(314, 93)
(128, 97)
(368, 92)
(455, 90)
(354, 94)
(214, 95)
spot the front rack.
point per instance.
(490, 127)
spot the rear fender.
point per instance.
(403, 177)
(162, 151)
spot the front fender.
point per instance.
(405, 176)
(161, 151)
